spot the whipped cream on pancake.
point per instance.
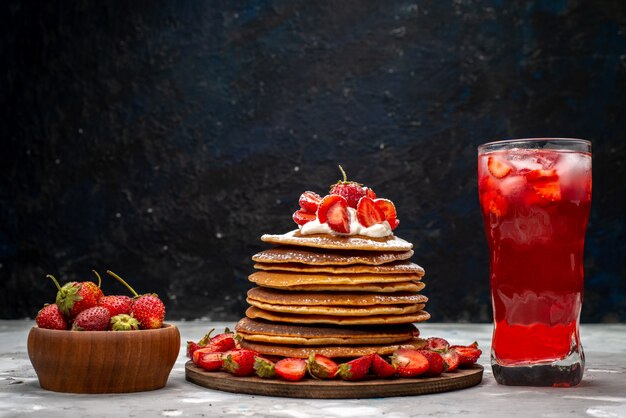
(375, 231)
(349, 209)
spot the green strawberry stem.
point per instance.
(99, 278)
(50, 276)
(345, 177)
(119, 279)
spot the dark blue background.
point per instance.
(161, 139)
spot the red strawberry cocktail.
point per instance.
(535, 197)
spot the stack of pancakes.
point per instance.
(340, 296)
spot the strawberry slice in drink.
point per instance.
(545, 183)
(498, 168)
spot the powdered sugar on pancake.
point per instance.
(319, 257)
(294, 237)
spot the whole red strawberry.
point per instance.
(239, 362)
(75, 297)
(51, 317)
(148, 309)
(116, 304)
(351, 190)
(356, 369)
(92, 319)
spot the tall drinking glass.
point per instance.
(535, 196)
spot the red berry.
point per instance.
(192, 346)
(92, 319)
(75, 297)
(309, 201)
(207, 359)
(409, 362)
(334, 211)
(239, 362)
(222, 342)
(381, 367)
(116, 305)
(468, 354)
(451, 359)
(368, 213)
(389, 210)
(437, 344)
(292, 369)
(435, 363)
(321, 367)
(498, 168)
(356, 369)
(350, 190)
(148, 309)
(301, 217)
(264, 368)
(51, 317)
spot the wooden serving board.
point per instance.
(335, 389)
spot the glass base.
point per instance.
(562, 373)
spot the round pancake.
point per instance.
(332, 351)
(318, 257)
(272, 278)
(278, 297)
(388, 268)
(254, 313)
(364, 287)
(338, 310)
(268, 332)
(355, 242)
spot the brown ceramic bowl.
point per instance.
(103, 361)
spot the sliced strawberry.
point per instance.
(469, 354)
(198, 352)
(334, 211)
(321, 367)
(370, 193)
(292, 369)
(550, 191)
(209, 361)
(223, 342)
(498, 168)
(381, 367)
(437, 344)
(264, 368)
(239, 362)
(356, 369)
(435, 363)
(389, 210)
(301, 217)
(309, 201)
(368, 213)
(409, 362)
(192, 346)
(494, 203)
(542, 175)
(451, 360)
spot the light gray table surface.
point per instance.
(601, 394)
